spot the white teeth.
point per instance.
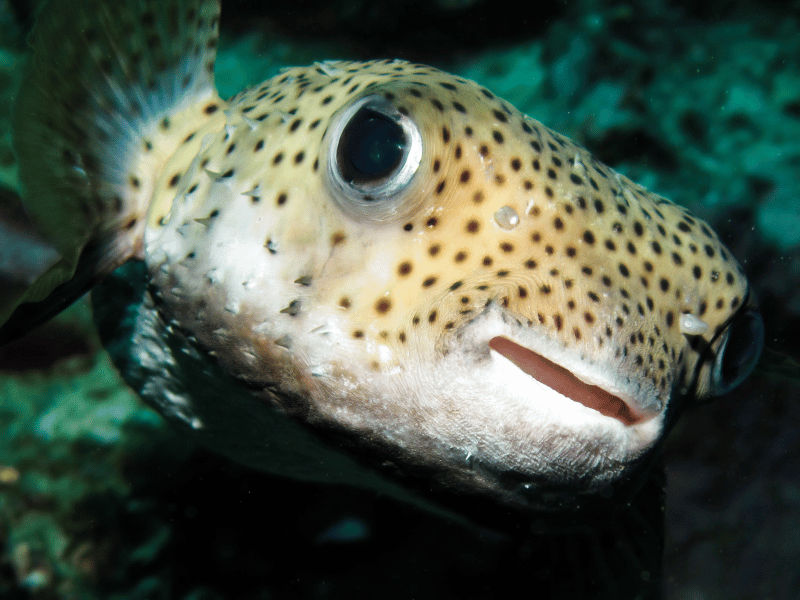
(506, 217)
(691, 325)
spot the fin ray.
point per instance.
(106, 99)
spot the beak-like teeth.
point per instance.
(565, 383)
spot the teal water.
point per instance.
(99, 500)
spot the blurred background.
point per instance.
(700, 103)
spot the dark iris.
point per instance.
(371, 147)
(742, 349)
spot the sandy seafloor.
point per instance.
(99, 499)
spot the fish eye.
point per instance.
(370, 147)
(374, 152)
(738, 353)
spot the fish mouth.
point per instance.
(565, 383)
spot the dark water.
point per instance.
(99, 499)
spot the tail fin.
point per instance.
(112, 90)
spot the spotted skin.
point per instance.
(372, 321)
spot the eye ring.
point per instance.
(370, 185)
(738, 352)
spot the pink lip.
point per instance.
(564, 382)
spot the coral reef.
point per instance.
(98, 499)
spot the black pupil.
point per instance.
(371, 147)
(743, 347)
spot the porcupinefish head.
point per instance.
(402, 262)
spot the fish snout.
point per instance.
(496, 334)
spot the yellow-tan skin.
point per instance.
(591, 247)
(260, 253)
(385, 325)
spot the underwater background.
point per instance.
(700, 103)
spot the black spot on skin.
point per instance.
(259, 145)
(498, 137)
(500, 116)
(383, 306)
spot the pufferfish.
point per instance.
(373, 273)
